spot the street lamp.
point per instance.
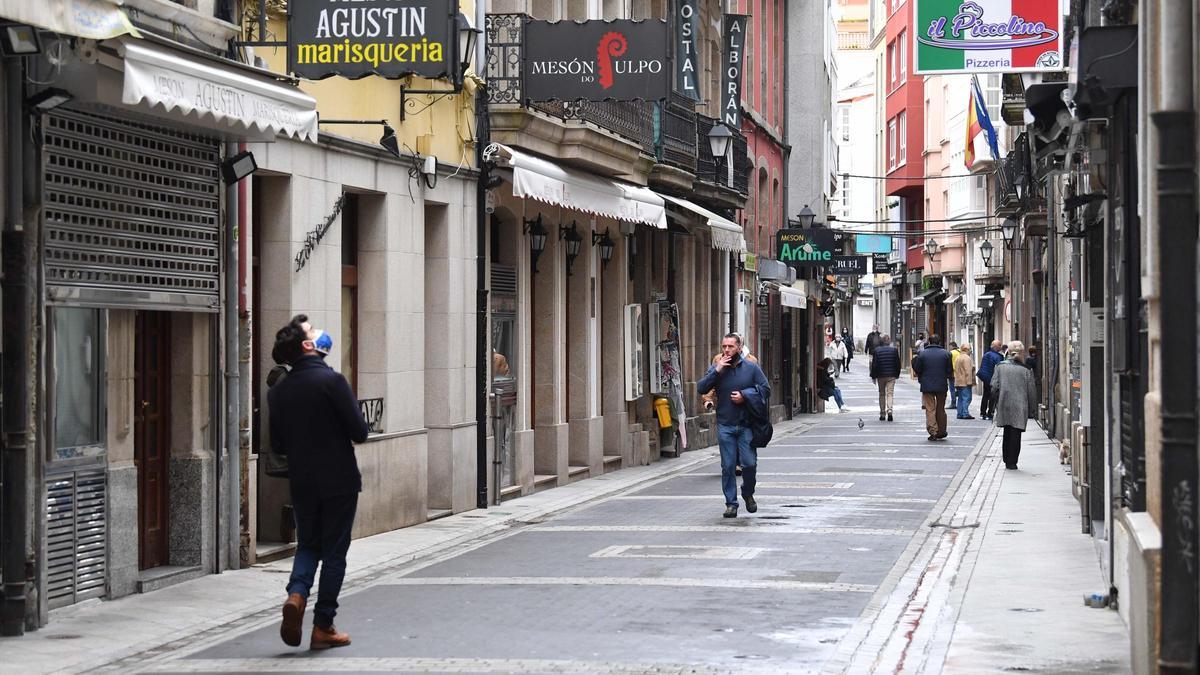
(985, 252)
(806, 216)
(537, 239)
(467, 35)
(931, 247)
(606, 246)
(718, 141)
(1009, 230)
(571, 234)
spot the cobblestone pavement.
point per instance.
(654, 579)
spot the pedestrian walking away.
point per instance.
(826, 387)
(741, 393)
(987, 365)
(885, 369)
(933, 370)
(836, 352)
(1016, 401)
(314, 419)
(964, 380)
(848, 343)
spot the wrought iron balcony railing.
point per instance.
(675, 133)
(706, 168)
(1014, 180)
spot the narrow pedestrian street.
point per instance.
(652, 579)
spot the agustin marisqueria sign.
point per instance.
(806, 247)
(596, 60)
(389, 38)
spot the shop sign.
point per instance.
(389, 38)
(731, 70)
(687, 59)
(806, 246)
(873, 243)
(596, 61)
(997, 36)
(854, 265)
(749, 262)
(879, 261)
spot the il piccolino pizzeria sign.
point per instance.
(988, 36)
(356, 38)
(596, 60)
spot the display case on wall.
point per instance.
(635, 352)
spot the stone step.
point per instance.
(158, 578)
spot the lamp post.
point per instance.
(985, 252)
(606, 246)
(571, 235)
(1008, 229)
(931, 248)
(467, 35)
(537, 239)
(718, 141)
(806, 216)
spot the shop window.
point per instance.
(77, 383)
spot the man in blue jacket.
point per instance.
(885, 369)
(935, 372)
(739, 383)
(987, 366)
(314, 418)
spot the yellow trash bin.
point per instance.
(662, 408)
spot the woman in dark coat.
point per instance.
(1016, 400)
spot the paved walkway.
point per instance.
(873, 550)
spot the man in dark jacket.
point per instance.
(987, 366)
(314, 417)
(885, 369)
(935, 372)
(872, 342)
(737, 381)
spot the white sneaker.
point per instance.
(844, 410)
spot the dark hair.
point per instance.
(735, 336)
(825, 362)
(935, 339)
(288, 341)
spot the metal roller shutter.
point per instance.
(76, 536)
(132, 214)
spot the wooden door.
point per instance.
(152, 433)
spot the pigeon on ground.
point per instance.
(861, 423)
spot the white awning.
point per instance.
(952, 298)
(224, 97)
(94, 19)
(791, 297)
(547, 182)
(726, 234)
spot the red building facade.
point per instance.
(904, 125)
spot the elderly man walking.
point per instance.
(740, 384)
(964, 380)
(932, 366)
(885, 369)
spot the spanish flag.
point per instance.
(978, 121)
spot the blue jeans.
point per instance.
(323, 527)
(736, 450)
(837, 396)
(964, 401)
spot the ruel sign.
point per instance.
(731, 70)
(596, 61)
(389, 38)
(988, 36)
(806, 247)
(687, 59)
(854, 265)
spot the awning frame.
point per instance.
(726, 234)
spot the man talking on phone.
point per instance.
(736, 381)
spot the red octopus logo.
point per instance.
(611, 46)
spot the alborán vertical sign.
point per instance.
(687, 58)
(731, 70)
(389, 38)
(619, 60)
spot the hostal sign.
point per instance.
(356, 38)
(596, 61)
(806, 247)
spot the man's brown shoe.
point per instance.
(293, 619)
(324, 638)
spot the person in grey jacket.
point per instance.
(1016, 400)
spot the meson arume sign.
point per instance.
(806, 247)
(356, 38)
(988, 36)
(619, 60)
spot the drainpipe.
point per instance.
(482, 352)
(1175, 122)
(245, 335)
(232, 444)
(16, 296)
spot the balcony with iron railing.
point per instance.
(615, 138)
(1013, 179)
(735, 174)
